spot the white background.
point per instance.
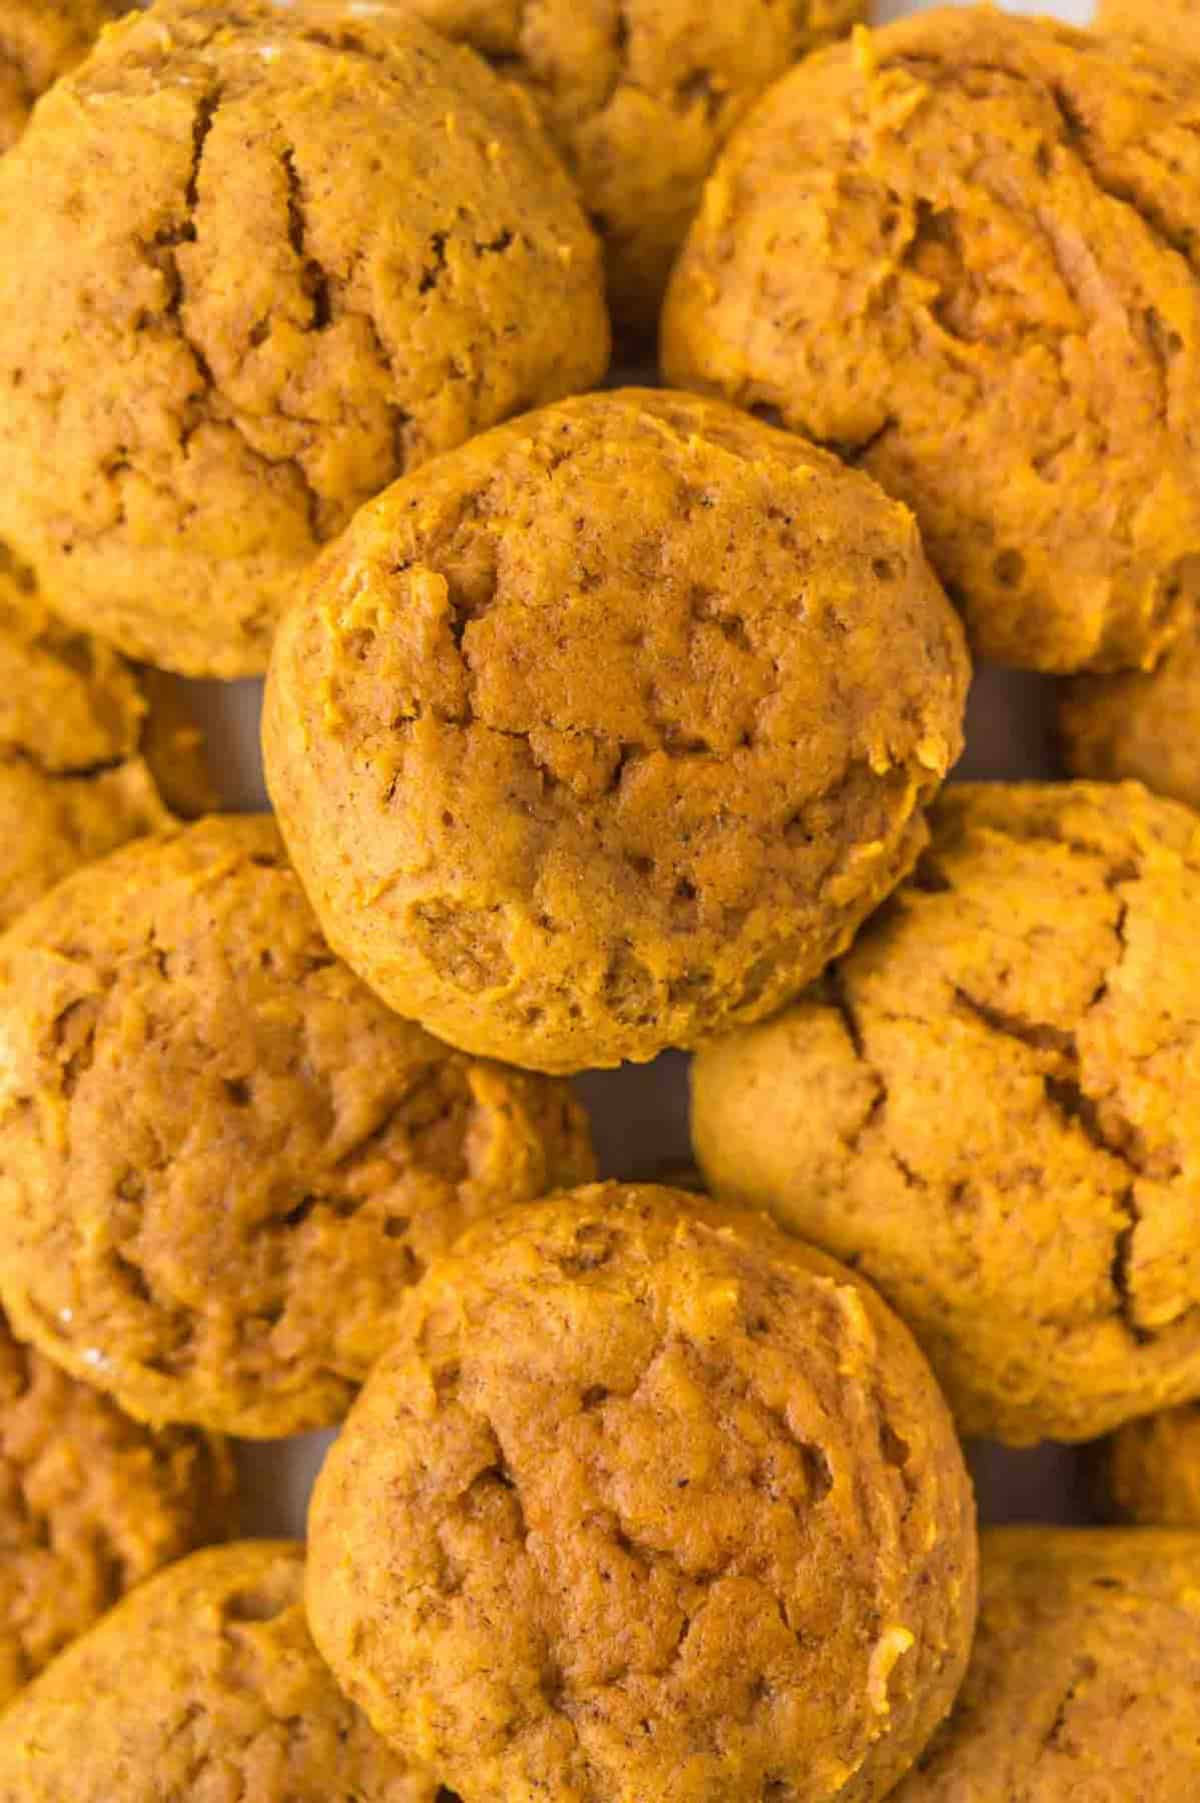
(640, 1114)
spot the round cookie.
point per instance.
(1139, 724)
(989, 1106)
(202, 1685)
(72, 785)
(959, 251)
(1173, 25)
(39, 41)
(90, 1504)
(639, 95)
(646, 1500)
(1152, 1467)
(221, 1158)
(1083, 1683)
(606, 730)
(272, 257)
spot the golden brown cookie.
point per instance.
(1082, 1687)
(175, 748)
(639, 95)
(959, 251)
(221, 1158)
(203, 1685)
(647, 1500)
(607, 730)
(990, 1107)
(39, 41)
(1152, 1467)
(1139, 724)
(272, 256)
(90, 1504)
(72, 717)
(1172, 24)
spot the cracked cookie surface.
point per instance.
(1152, 1468)
(91, 1503)
(39, 41)
(639, 95)
(989, 1106)
(72, 719)
(254, 263)
(608, 729)
(221, 1157)
(203, 1685)
(964, 253)
(1083, 1679)
(647, 1500)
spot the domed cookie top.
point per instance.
(607, 729)
(961, 252)
(1083, 1682)
(1139, 724)
(90, 1504)
(221, 1158)
(639, 95)
(990, 1105)
(646, 1500)
(203, 1684)
(42, 39)
(1152, 1467)
(271, 257)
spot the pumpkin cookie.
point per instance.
(646, 1500)
(72, 717)
(203, 1684)
(272, 256)
(1152, 1468)
(90, 1504)
(607, 730)
(990, 1107)
(963, 252)
(1083, 1682)
(1140, 725)
(39, 41)
(1172, 24)
(639, 95)
(221, 1158)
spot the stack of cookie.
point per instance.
(599, 723)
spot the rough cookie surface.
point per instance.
(39, 41)
(203, 1686)
(647, 1500)
(1083, 1681)
(609, 728)
(990, 1107)
(221, 1158)
(1174, 25)
(1153, 1468)
(72, 785)
(963, 252)
(1139, 725)
(255, 261)
(639, 95)
(90, 1504)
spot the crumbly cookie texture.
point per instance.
(203, 1684)
(91, 1503)
(39, 41)
(989, 1106)
(1139, 724)
(271, 257)
(1173, 25)
(647, 1500)
(962, 251)
(1083, 1680)
(222, 1160)
(639, 95)
(72, 717)
(1152, 1468)
(607, 730)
